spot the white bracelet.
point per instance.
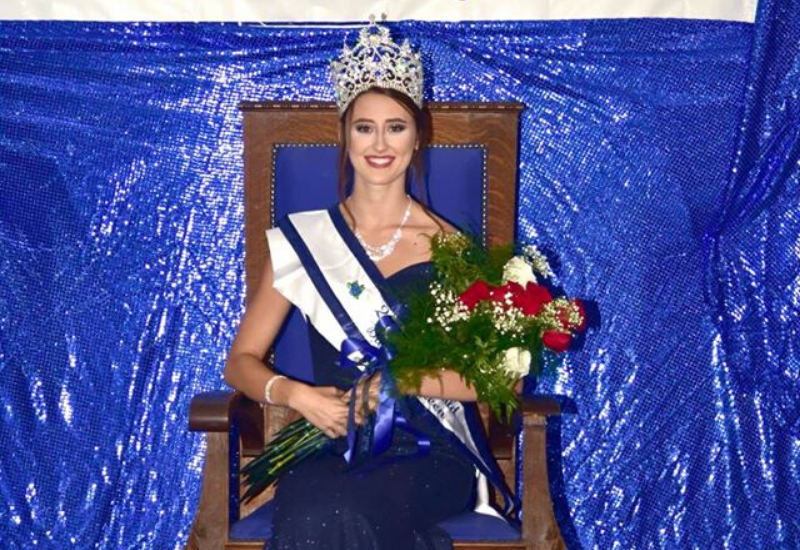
(268, 388)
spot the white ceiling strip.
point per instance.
(330, 11)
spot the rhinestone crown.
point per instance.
(376, 60)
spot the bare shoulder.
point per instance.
(423, 226)
(431, 223)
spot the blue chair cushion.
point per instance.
(256, 526)
(472, 526)
(469, 526)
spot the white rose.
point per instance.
(517, 362)
(517, 270)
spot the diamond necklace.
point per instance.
(377, 253)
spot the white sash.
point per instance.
(339, 266)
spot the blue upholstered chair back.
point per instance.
(306, 178)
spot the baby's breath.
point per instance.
(448, 309)
(509, 321)
(559, 312)
(456, 242)
(574, 316)
(537, 260)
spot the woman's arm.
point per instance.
(446, 384)
(245, 370)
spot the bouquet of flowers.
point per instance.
(484, 315)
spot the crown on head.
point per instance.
(376, 60)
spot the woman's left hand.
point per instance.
(372, 400)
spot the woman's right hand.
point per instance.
(320, 405)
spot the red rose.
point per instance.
(556, 340)
(531, 300)
(498, 293)
(477, 292)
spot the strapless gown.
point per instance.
(321, 504)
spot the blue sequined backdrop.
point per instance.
(121, 261)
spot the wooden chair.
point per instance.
(236, 427)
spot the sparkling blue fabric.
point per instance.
(658, 164)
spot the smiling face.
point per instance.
(381, 140)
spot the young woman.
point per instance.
(376, 241)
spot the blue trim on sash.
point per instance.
(316, 276)
(361, 255)
(474, 425)
(486, 465)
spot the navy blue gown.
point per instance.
(321, 504)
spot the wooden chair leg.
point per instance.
(210, 528)
(539, 526)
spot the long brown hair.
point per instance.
(416, 171)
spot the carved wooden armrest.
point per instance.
(540, 405)
(231, 422)
(221, 411)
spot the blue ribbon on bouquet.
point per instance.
(377, 359)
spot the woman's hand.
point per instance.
(320, 405)
(371, 403)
